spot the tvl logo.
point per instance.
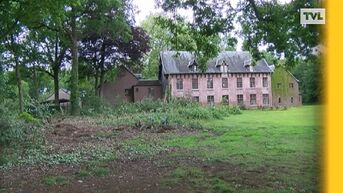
(312, 16)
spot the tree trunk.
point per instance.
(56, 86)
(18, 79)
(56, 73)
(74, 96)
(102, 68)
(17, 76)
(35, 93)
(96, 83)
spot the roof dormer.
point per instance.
(192, 65)
(222, 65)
(248, 65)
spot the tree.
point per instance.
(160, 39)
(13, 57)
(48, 54)
(80, 18)
(210, 19)
(309, 74)
(277, 26)
(104, 52)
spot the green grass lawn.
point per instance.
(281, 146)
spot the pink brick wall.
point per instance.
(218, 91)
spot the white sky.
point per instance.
(146, 7)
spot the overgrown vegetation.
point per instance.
(23, 136)
(178, 113)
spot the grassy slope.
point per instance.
(285, 144)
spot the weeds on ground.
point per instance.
(54, 180)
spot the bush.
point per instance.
(39, 110)
(178, 113)
(17, 132)
(28, 118)
(92, 105)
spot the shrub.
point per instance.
(92, 105)
(38, 109)
(28, 118)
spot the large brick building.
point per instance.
(231, 77)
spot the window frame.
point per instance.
(210, 83)
(278, 85)
(226, 99)
(197, 83)
(151, 92)
(210, 102)
(226, 85)
(240, 101)
(179, 84)
(196, 99)
(265, 97)
(253, 102)
(265, 82)
(239, 82)
(252, 81)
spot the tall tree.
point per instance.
(13, 58)
(104, 52)
(81, 17)
(48, 53)
(277, 26)
(211, 18)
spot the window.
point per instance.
(279, 100)
(224, 83)
(195, 83)
(240, 99)
(278, 85)
(239, 83)
(252, 82)
(291, 85)
(179, 84)
(194, 68)
(195, 98)
(210, 82)
(223, 68)
(150, 92)
(225, 99)
(265, 99)
(292, 100)
(265, 81)
(137, 89)
(253, 99)
(210, 100)
(127, 92)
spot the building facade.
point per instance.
(230, 78)
(128, 87)
(285, 88)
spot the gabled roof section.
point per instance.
(63, 95)
(177, 62)
(127, 69)
(273, 67)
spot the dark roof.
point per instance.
(63, 95)
(148, 83)
(179, 63)
(126, 68)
